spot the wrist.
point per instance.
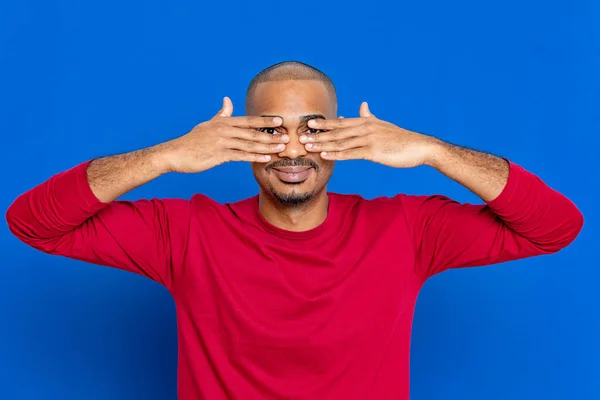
(161, 158)
(434, 152)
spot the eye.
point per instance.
(270, 131)
(314, 131)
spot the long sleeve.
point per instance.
(62, 216)
(527, 219)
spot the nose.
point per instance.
(293, 148)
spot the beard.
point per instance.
(292, 199)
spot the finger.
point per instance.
(364, 111)
(226, 109)
(250, 146)
(337, 134)
(255, 135)
(359, 153)
(255, 122)
(237, 155)
(334, 123)
(338, 145)
(340, 117)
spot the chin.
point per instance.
(292, 196)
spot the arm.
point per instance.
(111, 177)
(75, 213)
(64, 216)
(484, 174)
(522, 216)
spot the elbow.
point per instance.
(12, 220)
(566, 233)
(17, 222)
(575, 225)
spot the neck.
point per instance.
(298, 218)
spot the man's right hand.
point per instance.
(221, 139)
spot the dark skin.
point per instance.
(296, 102)
(288, 139)
(325, 140)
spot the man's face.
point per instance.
(293, 176)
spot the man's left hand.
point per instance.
(369, 138)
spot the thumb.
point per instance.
(340, 117)
(227, 108)
(364, 110)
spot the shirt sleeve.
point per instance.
(62, 216)
(527, 219)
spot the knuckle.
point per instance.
(254, 122)
(220, 143)
(248, 120)
(232, 155)
(224, 156)
(219, 128)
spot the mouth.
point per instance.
(292, 174)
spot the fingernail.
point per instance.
(311, 123)
(303, 138)
(281, 146)
(285, 138)
(277, 120)
(309, 146)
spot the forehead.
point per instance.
(292, 98)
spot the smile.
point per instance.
(292, 174)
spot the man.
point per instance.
(296, 293)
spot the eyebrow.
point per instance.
(303, 119)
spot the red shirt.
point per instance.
(265, 313)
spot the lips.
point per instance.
(292, 174)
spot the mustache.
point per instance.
(298, 162)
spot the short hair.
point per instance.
(289, 71)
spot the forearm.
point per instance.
(113, 176)
(484, 174)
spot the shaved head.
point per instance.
(288, 71)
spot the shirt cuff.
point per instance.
(74, 194)
(515, 188)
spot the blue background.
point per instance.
(519, 79)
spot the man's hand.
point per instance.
(369, 138)
(221, 139)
